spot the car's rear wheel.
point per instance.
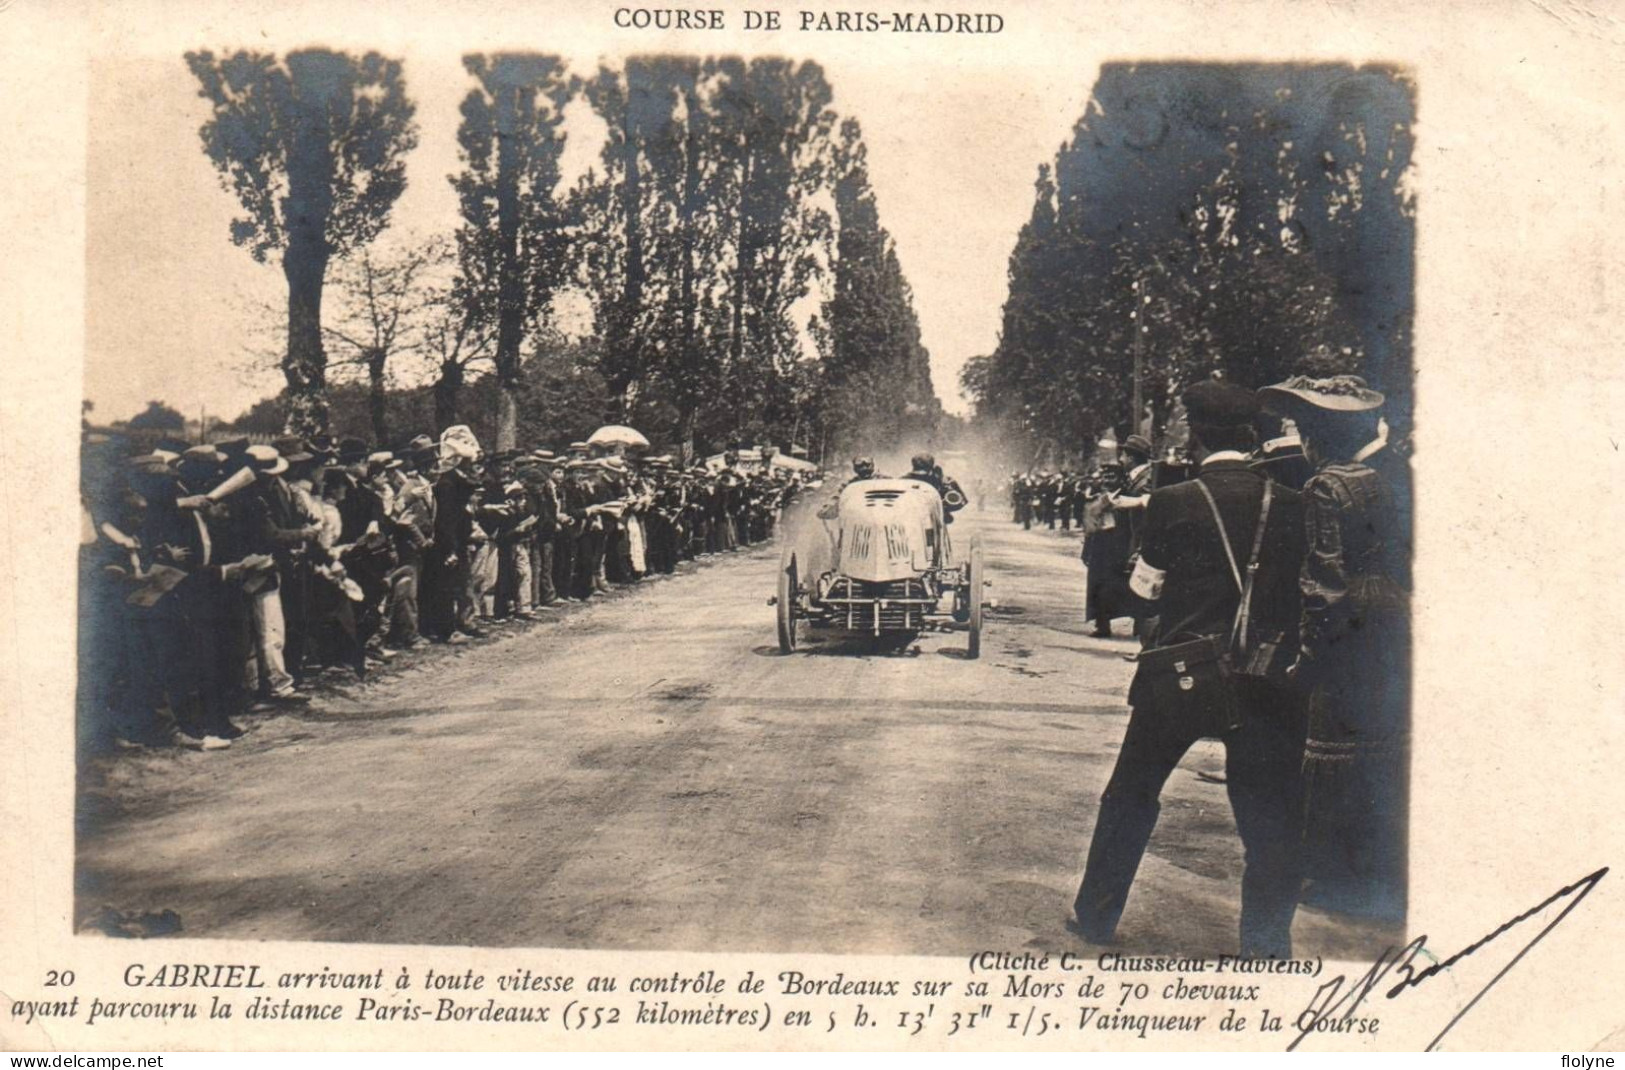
(789, 592)
(974, 598)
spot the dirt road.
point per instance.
(648, 772)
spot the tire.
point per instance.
(788, 594)
(974, 598)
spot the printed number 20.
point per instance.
(58, 978)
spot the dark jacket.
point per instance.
(453, 524)
(1199, 595)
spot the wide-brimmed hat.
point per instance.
(457, 444)
(1334, 394)
(200, 462)
(154, 463)
(382, 461)
(267, 460)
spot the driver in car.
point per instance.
(863, 467)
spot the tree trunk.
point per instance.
(688, 344)
(743, 269)
(378, 395)
(687, 423)
(511, 297)
(507, 432)
(305, 364)
(623, 339)
(446, 389)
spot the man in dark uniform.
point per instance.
(924, 468)
(1185, 570)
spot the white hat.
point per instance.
(266, 459)
(458, 443)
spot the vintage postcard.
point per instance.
(960, 526)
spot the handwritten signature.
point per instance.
(1335, 1002)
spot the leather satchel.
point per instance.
(1190, 682)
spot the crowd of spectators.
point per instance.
(227, 577)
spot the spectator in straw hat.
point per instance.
(1355, 640)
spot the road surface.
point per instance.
(649, 772)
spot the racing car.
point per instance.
(884, 567)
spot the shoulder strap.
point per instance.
(1244, 611)
(1238, 631)
(1218, 521)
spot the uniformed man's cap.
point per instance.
(1215, 403)
(1138, 444)
(1288, 445)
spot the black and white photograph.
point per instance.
(610, 561)
(832, 489)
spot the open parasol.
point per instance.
(617, 435)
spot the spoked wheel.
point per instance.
(974, 597)
(789, 592)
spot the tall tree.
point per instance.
(625, 218)
(514, 237)
(1246, 219)
(774, 120)
(877, 372)
(687, 186)
(382, 301)
(314, 149)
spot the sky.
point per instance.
(171, 303)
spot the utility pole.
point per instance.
(1142, 297)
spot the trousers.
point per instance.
(265, 671)
(1262, 761)
(541, 571)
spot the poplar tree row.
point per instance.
(727, 246)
